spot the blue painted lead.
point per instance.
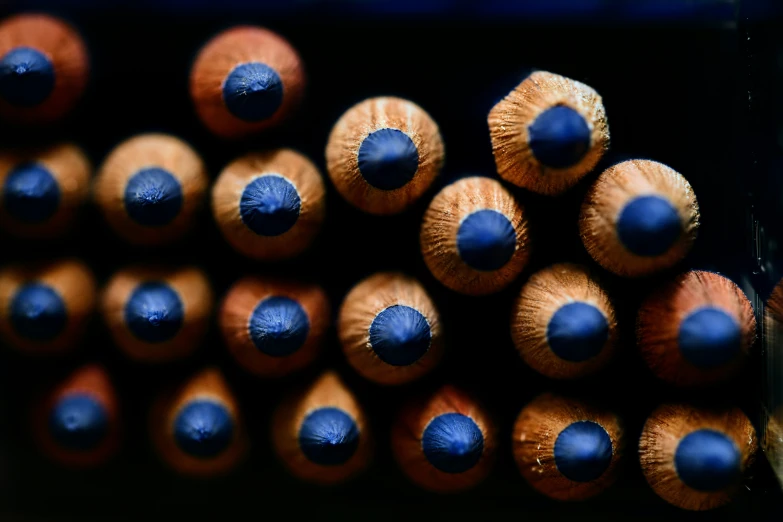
(30, 193)
(709, 337)
(253, 92)
(26, 77)
(37, 312)
(279, 326)
(577, 332)
(452, 442)
(583, 451)
(486, 240)
(400, 335)
(707, 460)
(270, 205)
(154, 312)
(203, 429)
(649, 226)
(153, 197)
(328, 436)
(559, 137)
(388, 159)
(78, 422)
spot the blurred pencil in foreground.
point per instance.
(321, 434)
(198, 430)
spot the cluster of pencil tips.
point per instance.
(639, 218)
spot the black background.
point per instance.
(676, 93)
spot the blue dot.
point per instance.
(328, 436)
(26, 77)
(270, 205)
(78, 423)
(486, 240)
(707, 460)
(400, 335)
(559, 137)
(203, 429)
(38, 313)
(154, 312)
(452, 442)
(253, 92)
(153, 197)
(583, 451)
(577, 332)
(709, 337)
(279, 326)
(388, 159)
(648, 226)
(31, 194)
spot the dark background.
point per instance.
(679, 87)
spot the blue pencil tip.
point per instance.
(154, 312)
(328, 436)
(709, 337)
(279, 326)
(583, 451)
(486, 240)
(559, 137)
(37, 312)
(648, 226)
(30, 193)
(707, 460)
(400, 335)
(78, 423)
(270, 205)
(452, 442)
(253, 92)
(153, 197)
(577, 332)
(26, 77)
(388, 159)
(203, 429)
